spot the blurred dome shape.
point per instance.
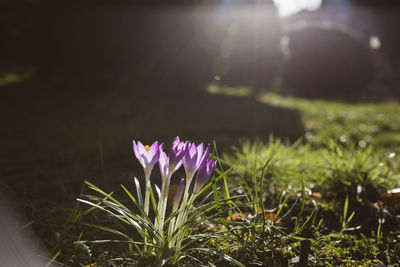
(287, 8)
(327, 63)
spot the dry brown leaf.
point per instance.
(235, 217)
(310, 126)
(315, 195)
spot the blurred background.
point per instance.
(80, 79)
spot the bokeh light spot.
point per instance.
(362, 143)
(217, 78)
(374, 42)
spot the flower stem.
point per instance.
(163, 203)
(147, 195)
(183, 204)
(185, 213)
(146, 202)
(171, 226)
(159, 204)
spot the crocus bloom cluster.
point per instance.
(193, 157)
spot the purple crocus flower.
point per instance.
(193, 158)
(204, 173)
(176, 153)
(147, 155)
(164, 163)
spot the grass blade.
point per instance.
(53, 259)
(139, 192)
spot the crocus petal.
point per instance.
(153, 150)
(177, 166)
(205, 155)
(153, 154)
(190, 160)
(163, 163)
(137, 154)
(204, 173)
(175, 143)
(200, 151)
(192, 150)
(176, 153)
(135, 150)
(141, 148)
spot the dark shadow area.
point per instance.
(122, 63)
(182, 47)
(51, 123)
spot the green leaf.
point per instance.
(139, 192)
(129, 194)
(107, 229)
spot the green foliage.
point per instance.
(345, 218)
(353, 250)
(150, 243)
(333, 163)
(258, 232)
(358, 123)
(345, 175)
(360, 173)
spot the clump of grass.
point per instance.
(247, 214)
(152, 245)
(355, 172)
(332, 164)
(286, 161)
(333, 170)
(318, 231)
(162, 237)
(266, 226)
